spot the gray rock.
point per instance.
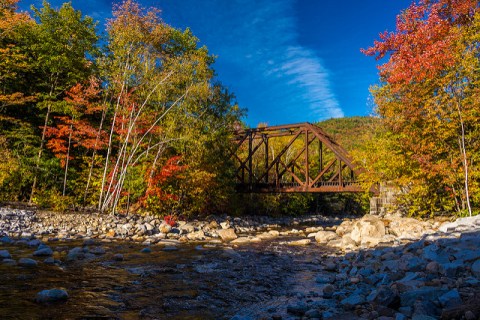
(49, 260)
(313, 313)
(383, 296)
(322, 279)
(467, 255)
(146, 250)
(5, 239)
(425, 308)
(9, 262)
(34, 243)
(423, 317)
(4, 254)
(51, 296)
(450, 299)
(425, 293)
(432, 267)
(297, 309)
(97, 250)
(469, 315)
(352, 301)
(75, 254)
(328, 291)
(451, 269)
(88, 242)
(27, 262)
(43, 252)
(118, 257)
(412, 263)
(476, 268)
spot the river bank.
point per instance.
(310, 267)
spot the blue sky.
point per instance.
(286, 61)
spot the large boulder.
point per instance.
(227, 234)
(344, 228)
(407, 228)
(462, 224)
(325, 236)
(368, 230)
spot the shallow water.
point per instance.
(208, 282)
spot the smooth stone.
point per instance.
(5, 239)
(4, 254)
(27, 262)
(34, 243)
(469, 315)
(322, 279)
(325, 236)
(328, 291)
(9, 262)
(476, 268)
(146, 250)
(301, 242)
(118, 257)
(52, 295)
(43, 252)
(88, 242)
(49, 260)
(227, 234)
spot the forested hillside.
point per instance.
(350, 132)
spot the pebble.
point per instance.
(27, 262)
(51, 296)
(4, 254)
(118, 257)
(43, 252)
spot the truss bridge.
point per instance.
(292, 158)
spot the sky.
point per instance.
(286, 61)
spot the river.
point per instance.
(197, 281)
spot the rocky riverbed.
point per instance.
(80, 266)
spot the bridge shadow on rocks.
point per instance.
(436, 277)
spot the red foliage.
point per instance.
(170, 220)
(157, 181)
(420, 47)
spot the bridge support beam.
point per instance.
(288, 163)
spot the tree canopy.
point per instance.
(139, 123)
(428, 102)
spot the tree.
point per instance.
(62, 44)
(427, 98)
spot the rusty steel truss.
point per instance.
(292, 158)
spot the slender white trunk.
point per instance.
(66, 161)
(464, 159)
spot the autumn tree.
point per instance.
(427, 100)
(61, 45)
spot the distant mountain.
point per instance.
(350, 132)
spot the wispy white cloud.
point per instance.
(266, 36)
(260, 57)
